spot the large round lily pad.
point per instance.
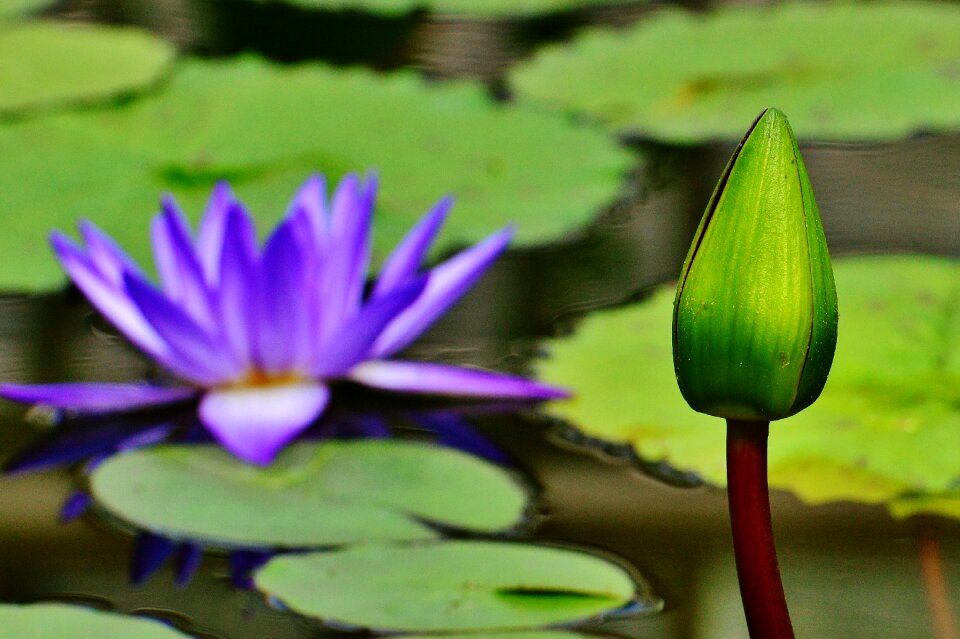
(449, 586)
(61, 621)
(267, 127)
(861, 71)
(887, 424)
(47, 63)
(315, 494)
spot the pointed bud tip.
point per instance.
(772, 124)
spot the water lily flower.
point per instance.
(258, 333)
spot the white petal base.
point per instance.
(254, 422)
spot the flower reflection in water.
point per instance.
(257, 333)
(89, 440)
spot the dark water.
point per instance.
(849, 570)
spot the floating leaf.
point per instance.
(10, 8)
(455, 7)
(267, 128)
(946, 504)
(61, 621)
(315, 494)
(457, 585)
(839, 71)
(887, 424)
(47, 63)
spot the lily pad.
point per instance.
(47, 63)
(10, 8)
(267, 127)
(315, 494)
(449, 586)
(61, 621)
(945, 504)
(864, 71)
(492, 8)
(887, 424)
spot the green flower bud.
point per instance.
(755, 317)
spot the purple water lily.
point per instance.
(258, 333)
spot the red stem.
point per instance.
(760, 587)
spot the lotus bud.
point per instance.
(755, 317)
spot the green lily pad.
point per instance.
(886, 425)
(865, 71)
(50, 63)
(450, 586)
(12, 8)
(267, 127)
(492, 8)
(61, 621)
(315, 494)
(945, 504)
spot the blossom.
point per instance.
(258, 333)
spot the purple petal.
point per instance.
(361, 426)
(311, 200)
(95, 398)
(212, 230)
(346, 262)
(284, 339)
(94, 462)
(440, 379)
(244, 562)
(254, 422)
(454, 432)
(448, 282)
(106, 297)
(177, 262)
(188, 561)
(146, 437)
(352, 342)
(150, 552)
(107, 257)
(67, 446)
(194, 354)
(70, 443)
(405, 260)
(236, 296)
(75, 506)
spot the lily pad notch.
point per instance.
(449, 586)
(317, 494)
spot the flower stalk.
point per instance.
(761, 588)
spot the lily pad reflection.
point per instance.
(315, 494)
(61, 621)
(450, 586)
(886, 426)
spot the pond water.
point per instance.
(849, 570)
